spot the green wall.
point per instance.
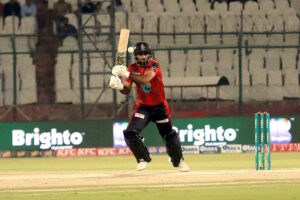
(99, 133)
(93, 133)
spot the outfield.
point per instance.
(212, 176)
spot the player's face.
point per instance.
(143, 58)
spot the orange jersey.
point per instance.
(151, 93)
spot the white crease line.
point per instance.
(148, 186)
(150, 172)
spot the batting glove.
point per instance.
(116, 83)
(120, 70)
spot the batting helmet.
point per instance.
(142, 48)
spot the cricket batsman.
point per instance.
(151, 105)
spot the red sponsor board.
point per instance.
(112, 151)
(162, 150)
(76, 152)
(291, 147)
(152, 150)
(101, 151)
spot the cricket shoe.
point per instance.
(141, 165)
(183, 167)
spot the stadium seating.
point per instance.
(147, 18)
(208, 68)
(213, 23)
(193, 63)
(295, 4)
(25, 70)
(139, 6)
(229, 23)
(275, 90)
(27, 84)
(291, 84)
(235, 7)
(272, 59)
(126, 5)
(135, 26)
(177, 68)
(68, 83)
(288, 59)
(164, 60)
(150, 26)
(197, 26)
(251, 6)
(177, 64)
(225, 59)
(188, 6)
(166, 26)
(155, 6)
(202, 5)
(182, 26)
(209, 55)
(175, 24)
(25, 80)
(22, 43)
(171, 6)
(192, 69)
(266, 5)
(281, 4)
(120, 21)
(220, 7)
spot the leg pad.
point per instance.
(136, 145)
(173, 145)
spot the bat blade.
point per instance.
(122, 47)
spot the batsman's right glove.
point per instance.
(116, 83)
(120, 70)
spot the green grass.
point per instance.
(273, 190)
(159, 162)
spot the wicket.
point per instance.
(262, 132)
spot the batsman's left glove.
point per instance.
(116, 83)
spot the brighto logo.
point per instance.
(207, 136)
(46, 140)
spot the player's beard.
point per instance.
(144, 61)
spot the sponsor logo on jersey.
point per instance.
(163, 121)
(146, 87)
(139, 115)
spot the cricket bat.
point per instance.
(122, 47)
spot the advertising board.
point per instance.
(209, 132)
(55, 135)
